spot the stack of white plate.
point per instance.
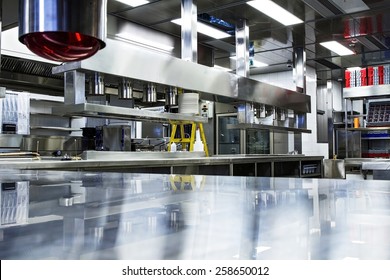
(189, 103)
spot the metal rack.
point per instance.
(374, 121)
(268, 127)
(105, 111)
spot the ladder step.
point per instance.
(187, 141)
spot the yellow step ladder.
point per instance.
(186, 182)
(178, 129)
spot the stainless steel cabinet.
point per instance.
(228, 140)
(240, 141)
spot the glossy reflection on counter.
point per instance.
(78, 215)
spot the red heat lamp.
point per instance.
(62, 46)
(63, 30)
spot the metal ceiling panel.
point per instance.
(351, 6)
(361, 25)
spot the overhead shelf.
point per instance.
(114, 112)
(267, 127)
(371, 128)
(212, 84)
(375, 138)
(69, 129)
(377, 91)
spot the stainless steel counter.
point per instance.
(379, 167)
(85, 215)
(176, 163)
(360, 161)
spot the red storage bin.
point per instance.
(380, 74)
(347, 76)
(370, 76)
(363, 76)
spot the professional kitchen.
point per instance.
(195, 130)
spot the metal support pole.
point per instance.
(299, 76)
(330, 88)
(242, 48)
(346, 127)
(242, 69)
(299, 70)
(189, 37)
(74, 87)
(1, 25)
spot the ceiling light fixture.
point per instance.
(206, 29)
(354, 68)
(144, 42)
(352, 6)
(257, 64)
(222, 68)
(336, 47)
(253, 63)
(275, 11)
(133, 3)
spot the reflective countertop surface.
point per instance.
(121, 216)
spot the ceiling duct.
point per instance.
(63, 30)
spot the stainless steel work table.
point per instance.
(179, 163)
(85, 215)
(378, 167)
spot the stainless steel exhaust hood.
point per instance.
(63, 30)
(123, 60)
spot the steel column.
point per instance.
(242, 48)
(299, 70)
(1, 25)
(242, 69)
(189, 37)
(74, 87)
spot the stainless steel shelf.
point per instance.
(378, 91)
(357, 116)
(375, 138)
(113, 112)
(267, 127)
(311, 175)
(212, 84)
(372, 128)
(56, 128)
(150, 161)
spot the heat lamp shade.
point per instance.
(63, 30)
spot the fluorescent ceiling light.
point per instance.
(258, 64)
(222, 68)
(351, 6)
(275, 11)
(133, 3)
(337, 48)
(354, 68)
(254, 63)
(206, 29)
(144, 42)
